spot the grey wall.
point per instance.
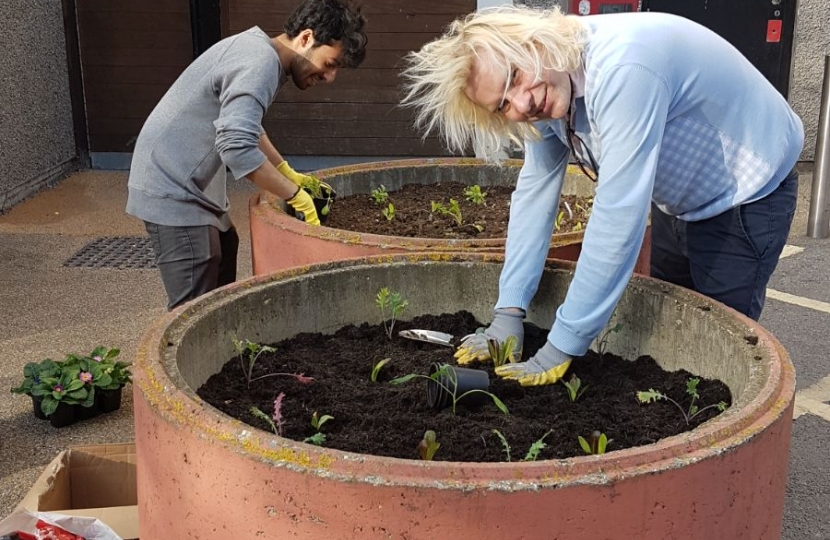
(37, 144)
(812, 43)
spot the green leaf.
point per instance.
(323, 419)
(74, 385)
(90, 398)
(602, 443)
(649, 396)
(377, 367)
(48, 405)
(536, 447)
(502, 407)
(316, 439)
(404, 379)
(584, 444)
(505, 445)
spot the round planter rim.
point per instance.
(263, 206)
(157, 377)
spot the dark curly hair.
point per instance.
(332, 20)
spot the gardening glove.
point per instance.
(301, 179)
(547, 366)
(505, 323)
(304, 207)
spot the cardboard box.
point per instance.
(95, 481)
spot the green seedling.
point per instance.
(575, 388)
(377, 367)
(532, 453)
(317, 423)
(596, 444)
(502, 352)
(445, 371)
(389, 212)
(559, 218)
(453, 210)
(253, 351)
(314, 187)
(689, 414)
(536, 447)
(602, 340)
(380, 195)
(428, 446)
(474, 194)
(392, 302)
(504, 444)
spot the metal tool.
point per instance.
(430, 336)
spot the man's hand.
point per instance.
(546, 367)
(506, 322)
(299, 179)
(301, 202)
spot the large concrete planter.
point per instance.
(202, 474)
(280, 241)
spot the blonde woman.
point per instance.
(662, 113)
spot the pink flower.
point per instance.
(97, 358)
(58, 388)
(85, 376)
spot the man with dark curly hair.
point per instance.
(210, 119)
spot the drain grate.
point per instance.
(123, 252)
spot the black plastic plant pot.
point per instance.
(85, 413)
(63, 416)
(456, 381)
(36, 401)
(109, 400)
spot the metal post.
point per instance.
(819, 218)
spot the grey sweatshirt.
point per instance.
(210, 117)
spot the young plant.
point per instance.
(380, 195)
(575, 388)
(536, 447)
(595, 445)
(253, 351)
(559, 218)
(474, 194)
(392, 302)
(689, 414)
(377, 367)
(428, 445)
(319, 190)
(276, 420)
(602, 340)
(532, 453)
(445, 372)
(389, 212)
(453, 210)
(502, 352)
(504, 444)
(317, 423)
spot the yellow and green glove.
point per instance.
(303, 207)
(505, 323)
(547, 366)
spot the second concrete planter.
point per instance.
(280, 241)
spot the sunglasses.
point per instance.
(589, 169)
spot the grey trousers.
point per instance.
(193, 260)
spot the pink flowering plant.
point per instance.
(68, 387)
(74, 380)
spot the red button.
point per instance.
(774, 31)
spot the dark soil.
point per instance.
(414, 217)
(386, 420)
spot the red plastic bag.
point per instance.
(45, 531)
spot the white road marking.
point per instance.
(812, 400)
(798, 300)
(790, 250)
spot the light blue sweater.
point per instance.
(672, 113)
(211, 117)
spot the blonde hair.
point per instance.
(509, 36)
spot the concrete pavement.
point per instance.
(48, 310)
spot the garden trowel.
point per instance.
(430, 336)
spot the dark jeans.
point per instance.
(193, 260)
(731, 256)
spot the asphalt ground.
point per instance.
(48, 309)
